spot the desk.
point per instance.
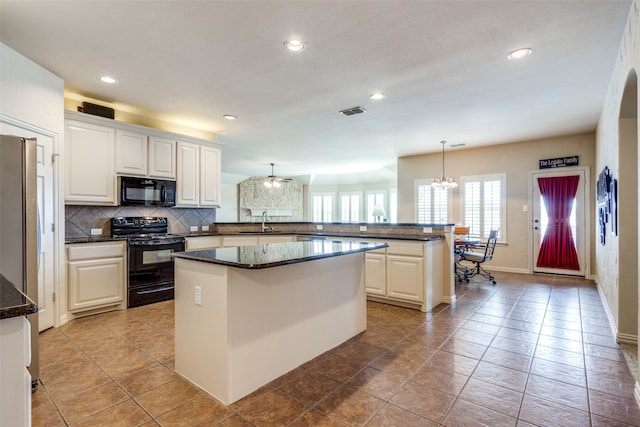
(462, 245)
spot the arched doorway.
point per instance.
(628, 260)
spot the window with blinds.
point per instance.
(375, 198)
(484, 207)
(350, 206)
(432, 204)
(322, 207)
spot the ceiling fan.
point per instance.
(273, 181)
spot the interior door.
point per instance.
(554, 255)
(45, 197)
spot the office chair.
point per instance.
(469, 263)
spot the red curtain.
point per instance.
(558, 249)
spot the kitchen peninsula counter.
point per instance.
(247, 315)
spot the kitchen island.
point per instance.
(247, 315)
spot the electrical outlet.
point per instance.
(205, 228)
(96, 231)
(363, 228)
(427, 229)
(319, 227)
(194, 228)
(198, 296)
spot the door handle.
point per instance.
(536, 221)
(535, 228)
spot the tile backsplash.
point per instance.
(79, 220)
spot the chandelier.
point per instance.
(444, 181)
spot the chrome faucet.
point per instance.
(264, 219)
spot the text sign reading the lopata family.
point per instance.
(560, 162)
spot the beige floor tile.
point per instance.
(147, 379)
(510, 351)
(166, 397)
(77, 406)
(124, 414)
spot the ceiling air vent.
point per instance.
(352, 111)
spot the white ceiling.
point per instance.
(441, 64)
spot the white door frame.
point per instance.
(586, 242)
(30, 130)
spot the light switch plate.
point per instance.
(205, 228)
(96, 231)
(194, 228)
(363, 228)
(319, 227)
(427, 229)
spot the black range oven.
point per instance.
(150, 264)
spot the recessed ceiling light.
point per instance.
(520, 53)
(376, 96)
(230, 117)
(294, 45)
(108, 79)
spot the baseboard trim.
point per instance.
(627, 338)
(449, 300)
(64, 319)
(508, 269)
(612, 322)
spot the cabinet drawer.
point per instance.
(204, 242)
(91, 250)
(405, 248)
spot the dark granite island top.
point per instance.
(14, 303)
(277, 254)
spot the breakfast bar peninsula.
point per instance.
(246, 315)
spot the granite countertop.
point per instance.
(277, 254)
(425, 238)
(13, 302)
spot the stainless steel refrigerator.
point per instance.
(19, 227)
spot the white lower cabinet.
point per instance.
(375, 273)
(274, 239)
(404, 273)
(232, 241)
(15, 387)
(201, 242)
(97, 275)
(405, 278)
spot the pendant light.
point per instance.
(444, 181)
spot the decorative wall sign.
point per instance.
(607, 202)
(559, 162)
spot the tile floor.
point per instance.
(532, 350)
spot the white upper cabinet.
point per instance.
(198, 181)
(131, 153)
(162, 158)
(210, 165)
(99, 149)
(188, 180)
(90, 164)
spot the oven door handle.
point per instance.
(151, 291)
(155, 243)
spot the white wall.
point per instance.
(29, 92)
(516, 160)
(33, 96)
(607, 154)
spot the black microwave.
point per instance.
(136, 191)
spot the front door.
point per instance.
(46, 205)
(559, 227)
